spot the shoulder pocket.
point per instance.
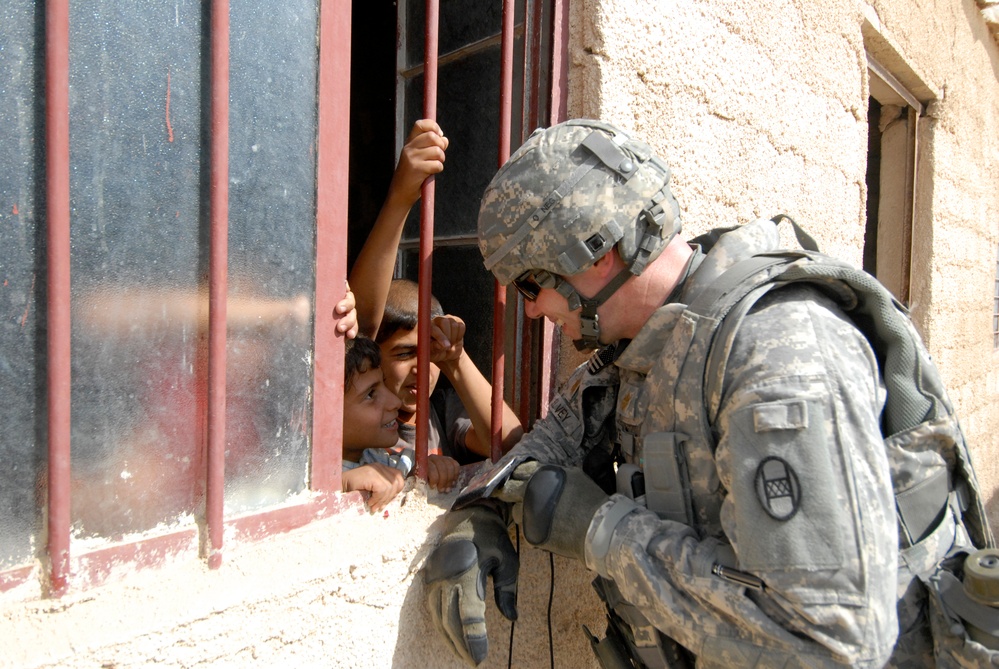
(790, 505)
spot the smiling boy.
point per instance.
(375, 459)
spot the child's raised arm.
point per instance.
(447, 350)
(371, 275)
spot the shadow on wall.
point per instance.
(992, 511)
(573, 604)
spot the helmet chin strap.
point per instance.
(588, 320)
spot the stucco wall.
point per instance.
(760, 107)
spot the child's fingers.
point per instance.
(439, 334)
(425, 125)
(347, 324)
(433, 474)
(442, 472)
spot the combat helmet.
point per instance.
(564, 199)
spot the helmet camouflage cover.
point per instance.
(568, 195)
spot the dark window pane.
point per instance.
(461, 22)
(468, 112)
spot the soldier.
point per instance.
(745, 522)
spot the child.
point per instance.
(460, 416)
(374, 458)
(387, 310)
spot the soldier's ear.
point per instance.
(609, 264)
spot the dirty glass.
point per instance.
(272, 203)
(139, 196)
(139, 262)
(22, 282)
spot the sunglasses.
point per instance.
(531, 282)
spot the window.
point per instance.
(139, 255)
(387, 98)
(134, 469)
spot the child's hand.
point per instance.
(346, 312)
(442, 472)
(421, 157)
(447, 339)
(383, 482)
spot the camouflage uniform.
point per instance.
(772, 530)
(803, 385)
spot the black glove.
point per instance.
(475, 545)
(557, 508)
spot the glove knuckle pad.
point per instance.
(540, 499)
(450, 560)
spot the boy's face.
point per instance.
(370, 411)
(399, 364)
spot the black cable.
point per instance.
(513, 623)
(551, 597)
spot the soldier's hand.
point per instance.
(475, 546)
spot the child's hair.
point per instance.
(360, 355)
(401, 309)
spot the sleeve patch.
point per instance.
(777, 488)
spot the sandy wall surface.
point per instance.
(342, 592)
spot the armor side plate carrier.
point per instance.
(938, 500)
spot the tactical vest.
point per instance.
(938, 500)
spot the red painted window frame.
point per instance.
(62, 569)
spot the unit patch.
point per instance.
(777, 488)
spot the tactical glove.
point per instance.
(475, 545)
(557, 508)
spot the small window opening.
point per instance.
(893, 117)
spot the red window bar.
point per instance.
(333, 142)
(499, 292)
(218, 269)
(426, 249)
(544, 359)
(557, 114)
(58, 312)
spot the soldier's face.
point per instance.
(551, 305)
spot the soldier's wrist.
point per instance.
(600, 534)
